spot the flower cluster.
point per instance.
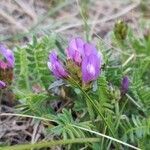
(83, 61)
(6, 65)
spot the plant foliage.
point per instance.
(102, 108)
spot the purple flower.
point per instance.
(8, 55)
(75, 50)
(91, 63)
(3, 65)
(124, 85)
(89, 49)
(56, 66)
(2, 84)
(85, 62)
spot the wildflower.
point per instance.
(2, 84)
(75, 50)
(91, 63)
(8, 55)
(124, 85)
(83, 62)
(56, 66)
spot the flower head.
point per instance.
(125, 85)
(83, 62)
(75, 50)
(8, 55)
(91, 63)
(2, 84)
(56, 66)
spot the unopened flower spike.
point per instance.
(120, 30)
(124, 85)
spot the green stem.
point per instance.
(83, 8)
(28, 116)
(91, 113)
(118, 122)
(108, 137)
(100, 113)
(51, 143)
(95, 106)
(102, 143)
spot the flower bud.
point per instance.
(2, 84)
(124, 85)
(56, 66)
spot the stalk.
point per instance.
(50, 143)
